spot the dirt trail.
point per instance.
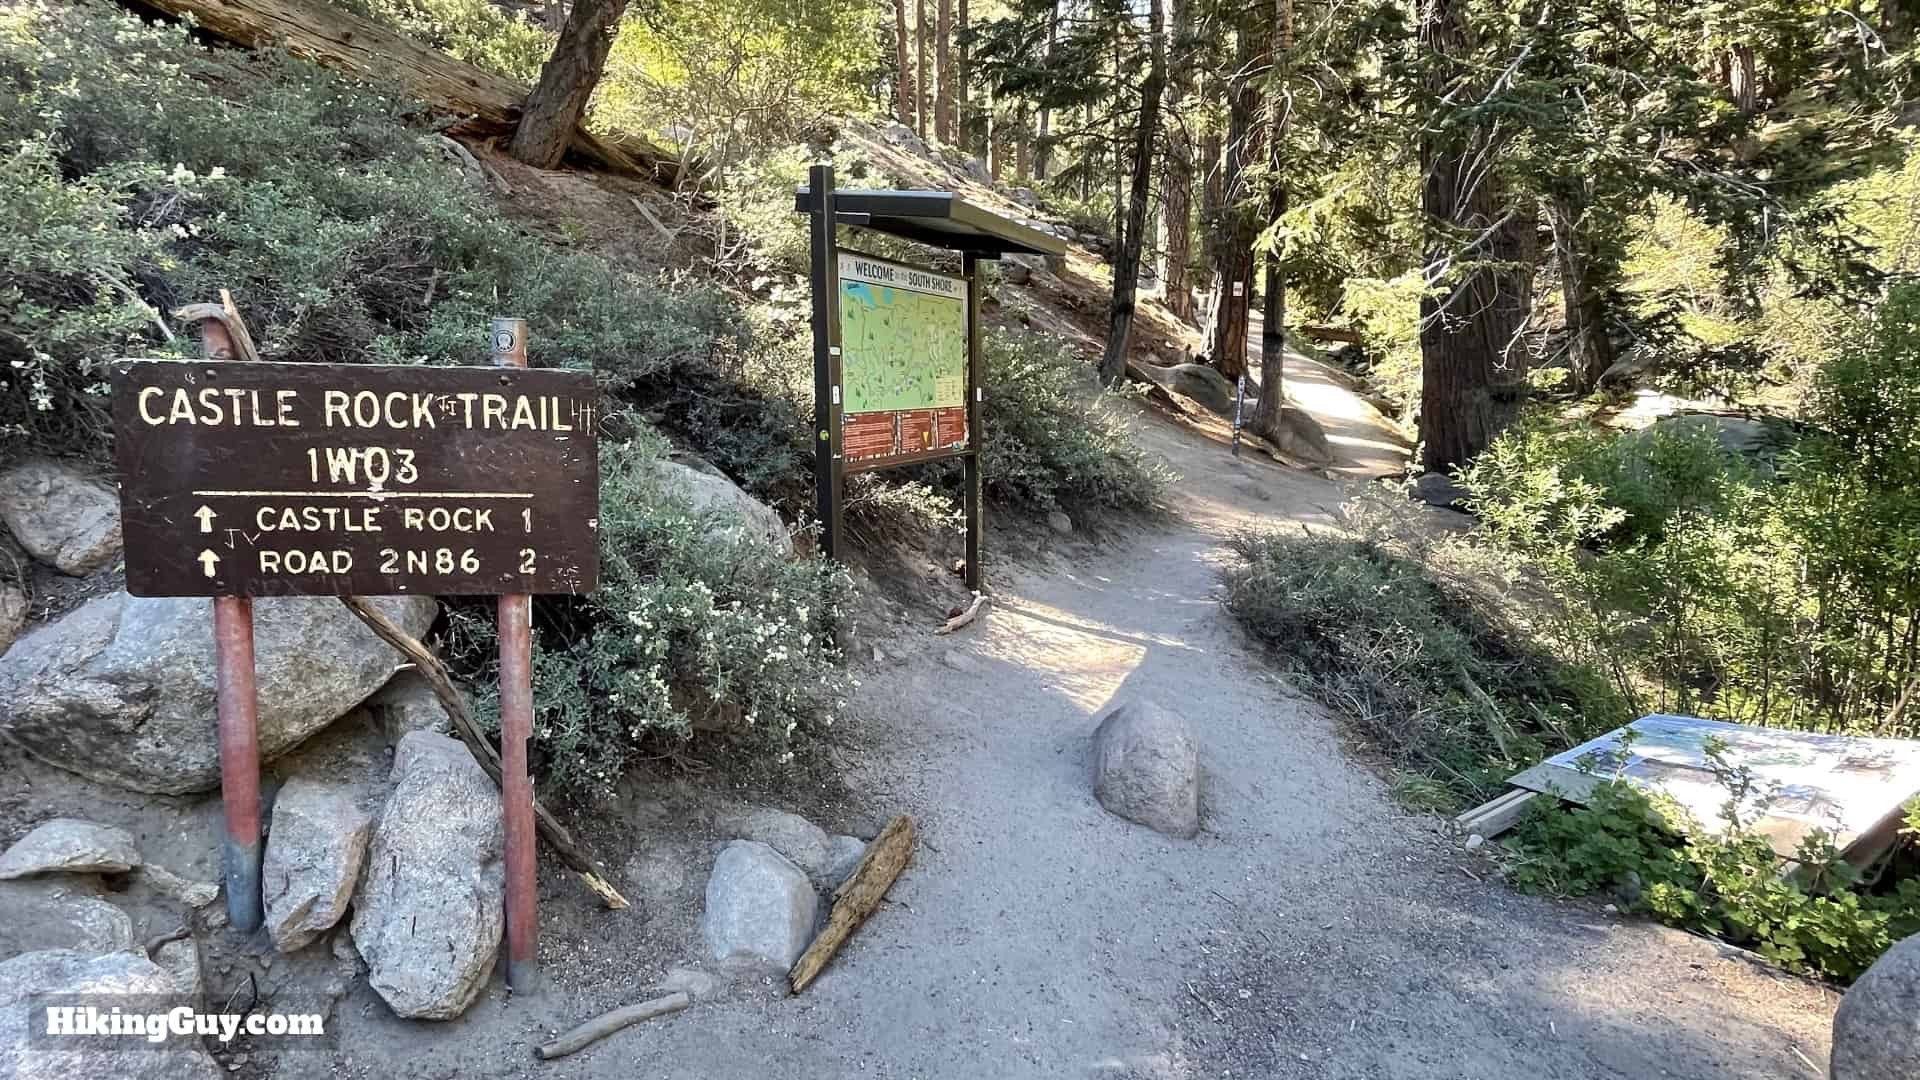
(1314, 929)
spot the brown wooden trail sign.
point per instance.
(253, 479)
(264, 479)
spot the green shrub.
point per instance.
(1456, 696)
(481, 33)
(1821, 918)
(695, 619)
(1049, 442)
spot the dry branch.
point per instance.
(482, 102)
(965, 617)
(607, 1023)
(430, 667)
(856, 898)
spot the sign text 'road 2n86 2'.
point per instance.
(260, 479)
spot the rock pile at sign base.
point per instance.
(25, 1056)
(1876, 1032)
(63, 517)
(72, 846)
(428, 916)
(315, 847)
(1146, 769)
(121, 690)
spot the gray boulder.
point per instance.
(1203, 384)
(25, 1055)
(72, 846)
(62, 516)
(1146, 769)
(710, 491)
(316, 844)
(121, 690)
(192, 892)
(1876, 1032)
(805, 844)
(1025, 196)
(1059, 522)
(1758, 440)
(844, 855)
(408, 703)
(428, 917)
(759, 906)
(60, 914)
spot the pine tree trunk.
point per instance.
(1045, 151)
(943, 73)
(903, 60)
(1231, 234)
(1473, 362)
(920, 62)
(1589, 349)
(1273, 311)
(1176, 172)
(566, 83)
(1126, 265)
(1022, 150)
(963, 126)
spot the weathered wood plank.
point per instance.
(856, 898)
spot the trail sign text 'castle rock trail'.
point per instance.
(259, 479)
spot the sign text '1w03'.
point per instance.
(268, 479)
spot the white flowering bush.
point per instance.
(696, 622)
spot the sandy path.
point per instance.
(1314, 929)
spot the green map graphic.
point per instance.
(901, 349)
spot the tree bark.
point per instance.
(943, 73)
(1022, 149)
(904, 87)
(963, 125)
(1176, 171)
(1231, 234)
(920, 60)
(1126, 264)
(1590, 350)
(1046, 115)
(559, 101)
(1267, 413)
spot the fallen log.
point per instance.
(483, 103)
(607, 1023)
(430, 667)
(856, 898)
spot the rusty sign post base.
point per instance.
(239, 758)
(515, 615)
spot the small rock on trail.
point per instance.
(759, 906)
(72, 846)
(1146, 768)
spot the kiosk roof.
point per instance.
(937, 218)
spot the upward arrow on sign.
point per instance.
(208, 560)
(206, 516)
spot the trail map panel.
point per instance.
(903, 355)
(262, 479)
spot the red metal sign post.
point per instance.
(509, 338)
(238, 704)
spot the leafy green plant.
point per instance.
(1459, 698)
(696, 623)
(1817, 916)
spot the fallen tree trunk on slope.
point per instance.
(485, 104)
